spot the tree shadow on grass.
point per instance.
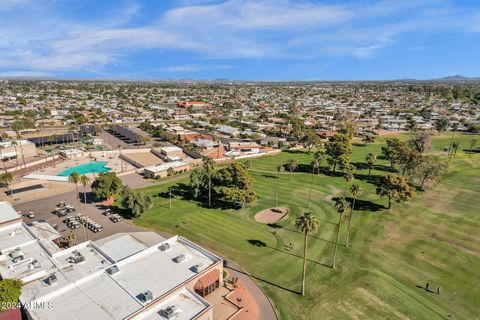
(274, 225)
(305, 168)
(261, 244)
(182, 191)
(257, 243)
(356, 144)
(363, 205)
(472, 150)
(379, 167)
(331, 173)
(296, 151)
(310, 235)
(373, 179)
(261, 279)
(269, 176)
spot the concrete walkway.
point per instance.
(267, 312)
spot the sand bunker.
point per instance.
(271, 215)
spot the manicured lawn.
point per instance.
(434, 238)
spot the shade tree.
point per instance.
(395, 188)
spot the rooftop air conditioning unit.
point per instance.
(164, 246)
(76, 258)
(170, 312)
(181, 258)
(146, 296)
(16, 255)
(197, 268)
(112, 270)
(51, 280)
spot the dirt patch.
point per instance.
(334, 192)
(271, 215)
(373, 299)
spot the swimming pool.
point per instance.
(91, 167)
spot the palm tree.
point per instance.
(292, 166)
(84, 181)
(343, 207)
(14, 144)
(19, 137)
(306, 223)
(209, 167)
(318, 159)
(368, 138)
(74, 178)
(454, 128)
(455, 146)
(1, 158)
(348, 176)
(280, 169)
(7, 178)
(355, 190)
(314, 165)
(370, 160)
(473, 145)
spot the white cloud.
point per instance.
(196, 68)
(43, 40)
(25, 74)
(12, 4)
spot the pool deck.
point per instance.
(97, 166)
(113, 163)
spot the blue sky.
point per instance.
(240, 39)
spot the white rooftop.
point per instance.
(187, 304)
(165, 166)
(166, 274)
(83, 289)
(6, 144)
(7, 213)
(71, 151)
(14, 235)
(122, 247)
(171, 149)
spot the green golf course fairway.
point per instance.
(393, 254)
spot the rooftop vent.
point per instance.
(34, 264)
(181, 258)
(165, 246)
(170, 312)
(77, 257)
(51, 280)
(16, 255)
(112, 270)
(146, 296)
(197, 268)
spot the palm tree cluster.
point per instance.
(308, 223)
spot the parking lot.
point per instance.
(43, 210)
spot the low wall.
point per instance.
(33, 163)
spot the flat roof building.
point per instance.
(161, 170)
(137, 275)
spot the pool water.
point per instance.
(91, 167)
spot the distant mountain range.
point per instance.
(457, 78)
(454, 78)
